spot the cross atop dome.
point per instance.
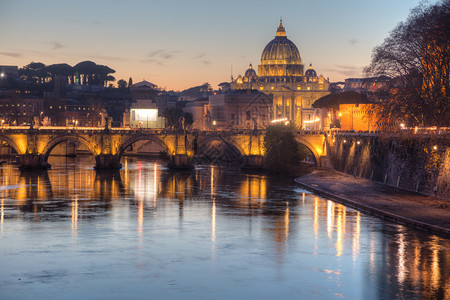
(280, 30)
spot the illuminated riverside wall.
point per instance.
(418, 163)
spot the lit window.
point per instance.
(308, 88)
(271, 87)
(299, 88)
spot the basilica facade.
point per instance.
(281, 74)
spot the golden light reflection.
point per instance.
(316, 217)
(75, 216)
(435, 270)
(140, 217)
(356, 236)
(253, 191)
(372, 253)
(340, 229)
(330, 218)
(21, 192)
(286, 222)
(401, 253)
(126, 171)
(416, 274)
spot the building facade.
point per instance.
(281, 75)
(144, 109)
(238, 109)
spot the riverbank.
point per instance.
(413, 210)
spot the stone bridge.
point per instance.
(34, 145)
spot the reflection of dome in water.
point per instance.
(280, 57)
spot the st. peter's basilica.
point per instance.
(281, 74)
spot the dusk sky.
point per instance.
(178, 44)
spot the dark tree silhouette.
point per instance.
(33, 72)
(122, 84)
(283, 153)
(416, 56)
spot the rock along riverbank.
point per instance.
(413, 210)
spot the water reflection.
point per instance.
(232, 214)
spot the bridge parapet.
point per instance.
(107, 145)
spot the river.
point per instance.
(146, 232)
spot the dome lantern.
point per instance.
(280, 30)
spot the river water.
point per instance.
(145, 232)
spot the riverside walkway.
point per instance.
(413, 210)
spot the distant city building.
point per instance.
(198, 110)
(280, 74)
(364, 85)
(72, 113)
(166, 100)
(144, 90)
(143, 112)
(8, 71)
(238, 109)
(345, 111)
(20, 109)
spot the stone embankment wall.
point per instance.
(418, 163)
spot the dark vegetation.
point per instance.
(416, 55)
(283, 153)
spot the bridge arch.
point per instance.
(142, 137)
(12, 143)
(222, 148)
(311, 147)
(60, 139)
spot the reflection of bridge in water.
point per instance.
(33, 146)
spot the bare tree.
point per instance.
(416, 56)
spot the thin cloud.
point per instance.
(206, 62)
(11, 54)
(57, 45)
(163, 54)
(199, 56)
(353, 42)
(154, 53)
(152, 61)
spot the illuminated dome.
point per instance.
(310, 72)
(280, 58)
(250, 74)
